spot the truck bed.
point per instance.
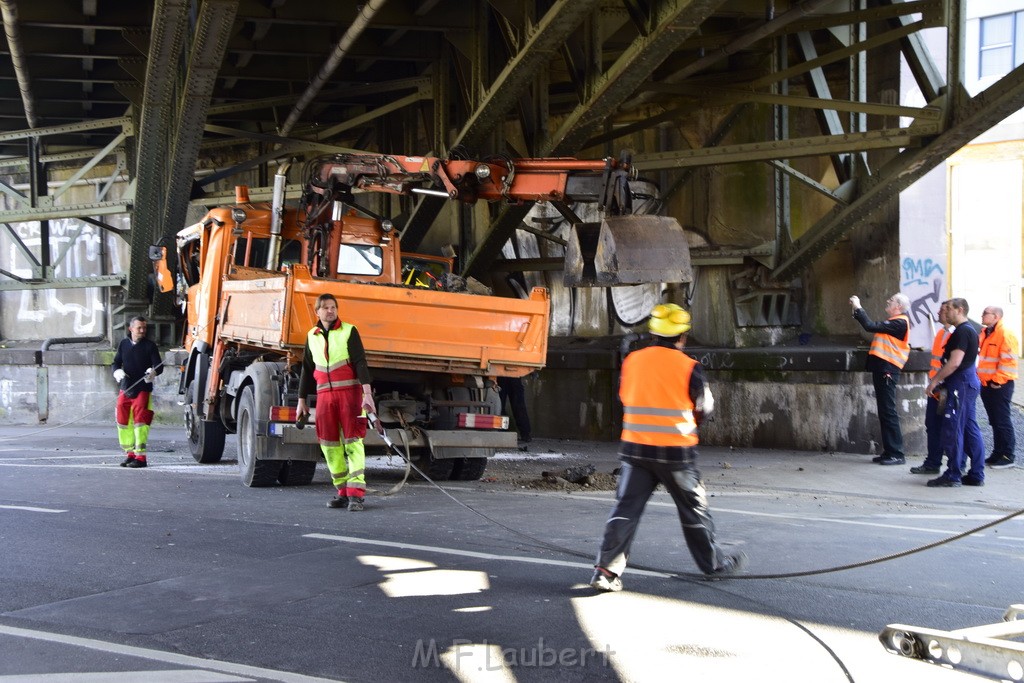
(407, 328)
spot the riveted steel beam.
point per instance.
(919, 59)
(210, 39)
(166, 43)
(122, 122)
(47, 211)
(980, 113)
(710, 95)
(547, 37)
(845, 52)
(363, 119)
(806, 180)
(673, 22)
(18, 283)
(818, 145)
(817, 84)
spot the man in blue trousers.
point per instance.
(960, 434)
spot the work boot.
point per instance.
(137, 462)
(970, 480)
(892, 460)
(733, 564)
(338, 502)
(924, 469)
(879, 458)
(1000, 462)
(605, 581)
(943, 481)
(129, 457)
(355, 504)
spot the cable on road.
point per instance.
(695, 578)
(703, 577)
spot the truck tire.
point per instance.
(255, 472)
(297, 472)
(438, 469)
(469, 469)
(205, 439)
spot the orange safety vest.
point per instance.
(334, 372)
(997, 358)
(938, 348)
(657, 409)
(891, 349)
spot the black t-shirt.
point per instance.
(965, 338)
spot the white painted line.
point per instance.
(474, 554)
(108, 453)
(167, 657)
(28, 509)
(228, 470)
(169, 676)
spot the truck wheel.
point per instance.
(297, 472)
(469, 469)
(255, 472)
(438, 469)
(205, 439)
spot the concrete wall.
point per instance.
(804, 398)
(74, 385)
(812, 399)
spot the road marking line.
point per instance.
(167, 676)
(167, 657)
(474, 554)
(29, 509)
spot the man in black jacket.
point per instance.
(890, 349)
(136, 363)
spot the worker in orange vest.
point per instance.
(890, 349)
(933, 409)
(334, 367)
(664, 398)
(997, 370)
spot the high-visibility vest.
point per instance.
(657, 408)
(891, 349)
(997, 358)
(332, 371)
(938, 348)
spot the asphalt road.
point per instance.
(179, 573)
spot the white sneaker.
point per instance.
(606, 582)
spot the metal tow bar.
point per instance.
(986, 650)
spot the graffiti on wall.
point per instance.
(924, 282)
(79, 309)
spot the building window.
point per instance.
(1001, 43)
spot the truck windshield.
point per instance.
(360, 259)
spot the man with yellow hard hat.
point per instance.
(664, 397)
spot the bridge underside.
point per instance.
(127, 118)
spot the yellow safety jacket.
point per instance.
(938, 348)
(997, 358)
(891, 349)
(332, 370)
(657, 408)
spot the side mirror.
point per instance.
(164, 280)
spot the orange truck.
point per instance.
(248, 276)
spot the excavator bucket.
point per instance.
(627, 250)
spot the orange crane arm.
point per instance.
(496, 178)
